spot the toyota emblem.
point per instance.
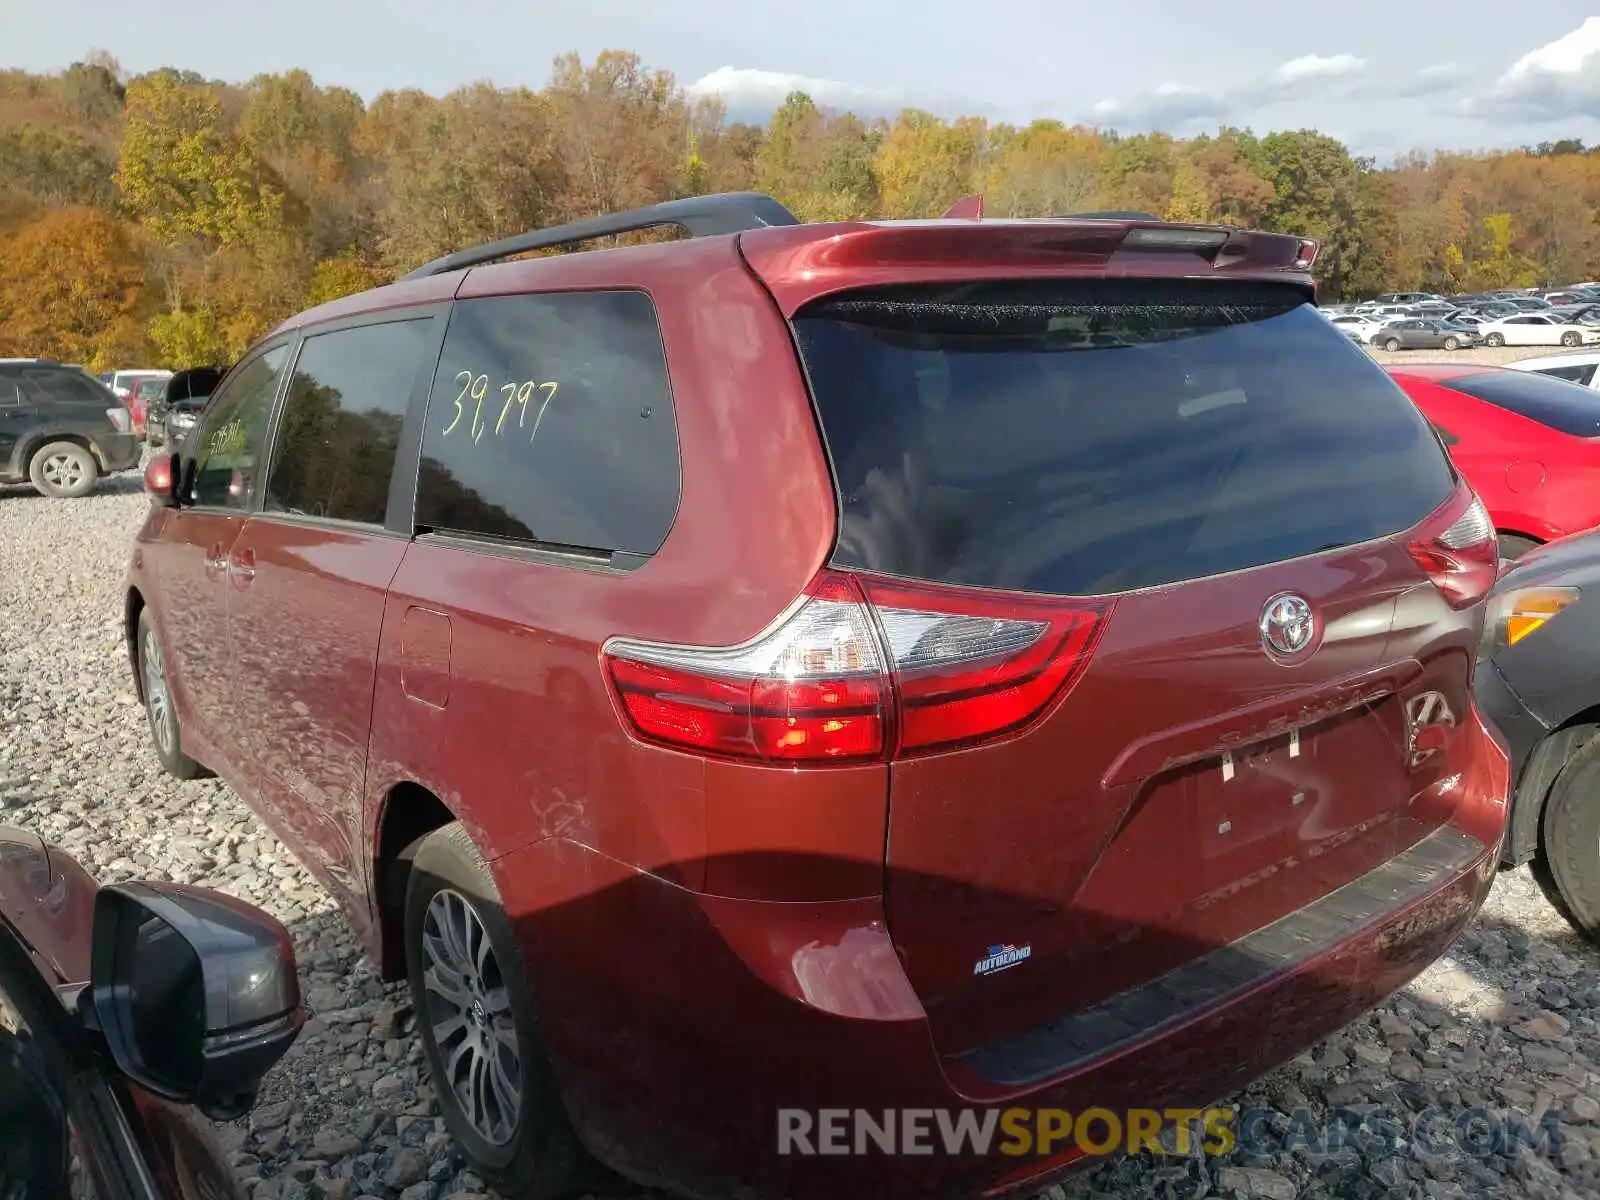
(1287, 624)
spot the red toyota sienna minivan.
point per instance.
(887, 667)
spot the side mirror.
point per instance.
(195, 992)
(161, 480)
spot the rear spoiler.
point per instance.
(802, 263)
(1148, 232)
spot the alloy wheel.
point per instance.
(158, 699)
(469, 1014)
(62, 470)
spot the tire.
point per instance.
(1572, 838)
(1514, 545)
(1495, 340)
(1452, 343)
(166, 732)
(1392, 345)
(1572, 338)
(531, 1153)
(63, 470)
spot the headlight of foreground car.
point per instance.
(1520, 612)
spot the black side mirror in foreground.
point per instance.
(195, 992)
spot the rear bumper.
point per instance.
(117, 451)
(681, 1025)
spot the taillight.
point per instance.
(1456, 546)
(969, 665)
(121, 418)
(811, 689)
(862, 669)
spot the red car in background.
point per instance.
(1528, 443)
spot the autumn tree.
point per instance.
(620, 134)
(480, 164)
(306, 136)
(924, 164)
(821, 167)
(1213, 180)
(345, 275)
(183, 175)
(1138, 173)
(72, 287)
(58, 169)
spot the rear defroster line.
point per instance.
(1209, 981)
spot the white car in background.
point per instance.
(123, 382)
(1537, 329)
(1582, 368)
(1358, 328)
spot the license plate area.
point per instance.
(1301, 792)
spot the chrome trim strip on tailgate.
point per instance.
(1212, 979)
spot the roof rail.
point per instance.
(702, 216)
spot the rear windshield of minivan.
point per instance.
(1090, 436)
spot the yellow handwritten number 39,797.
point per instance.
(476, 388)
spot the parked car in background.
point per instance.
(1587, 313)
(1581, 367)
(1359, 329)
(186, 391)
(1529, 445)
(1540, 684)
(1537, 329)
(139, 399)
(180, 419)
(61, 429)
(1404, 297)
(1422, 334)
(650, 639)
(130, 1017)
(122, 382)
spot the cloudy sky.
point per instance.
(1384, 76)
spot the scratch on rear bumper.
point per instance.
(1210, 981)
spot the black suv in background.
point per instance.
(169, 417)
(60, 430)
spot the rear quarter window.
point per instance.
(1088, 437)
(551, 422)
(72, 387)
(1555, 403)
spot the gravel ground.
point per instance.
(1508, 1022)
(1482, 354)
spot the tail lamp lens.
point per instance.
(1456, 546)
(859, 671)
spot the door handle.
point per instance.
(242, 567)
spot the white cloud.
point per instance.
(751, 94)
(1175, 104)
(1313, 66)
(1431, 80)
(1558, 81)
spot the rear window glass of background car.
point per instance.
(195, 383)
(1081, 437)
(1580, 373)
(336, 441)
(1562, 406)
(551, 421)
(73, 387)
